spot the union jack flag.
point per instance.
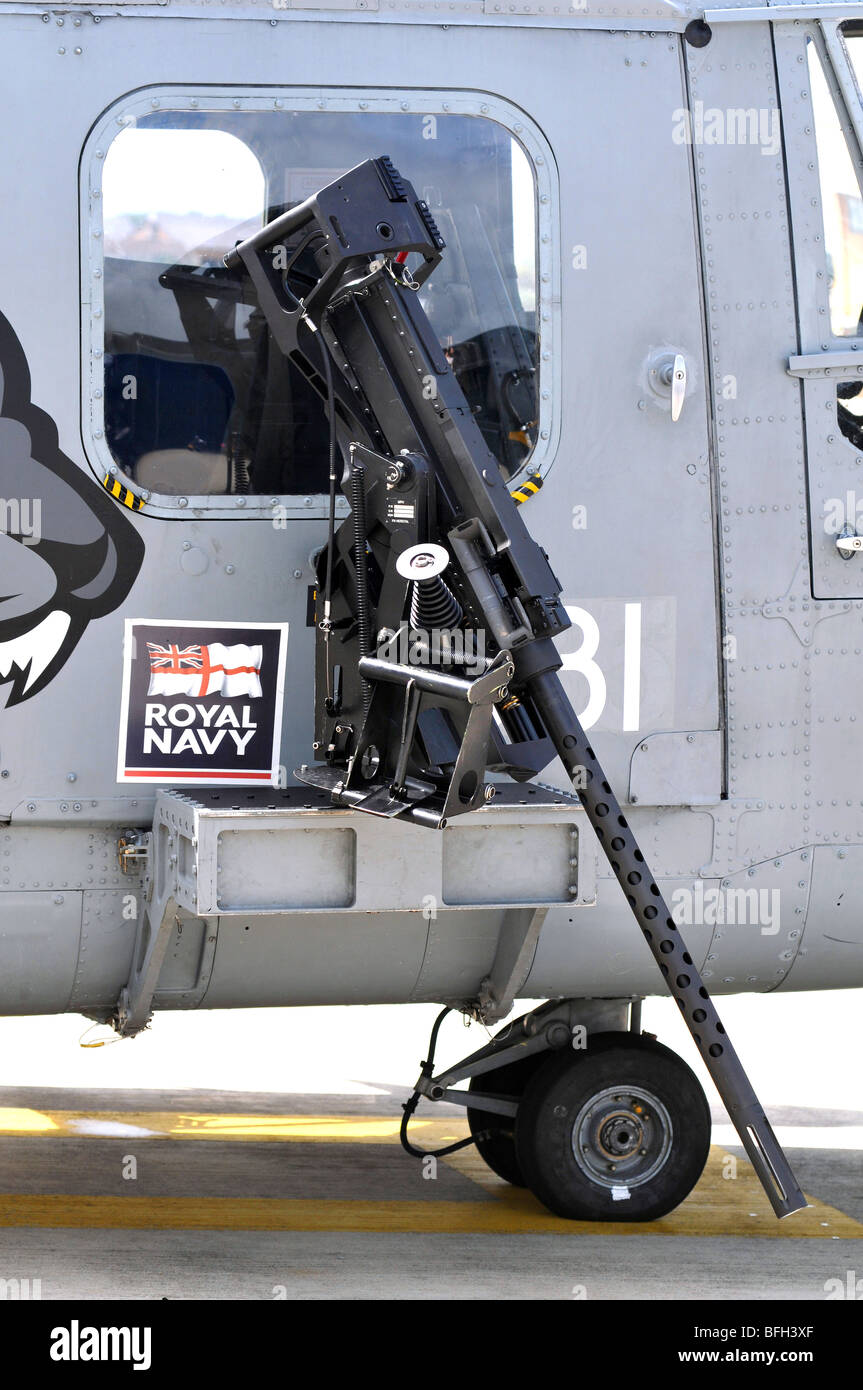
(175, 660)
(213, 669)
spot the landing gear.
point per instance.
(618, 1132)
(495, 1134)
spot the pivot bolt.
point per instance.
(396, 472)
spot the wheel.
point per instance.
(619, 1132)
(498, 1150)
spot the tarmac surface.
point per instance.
(153, 1194)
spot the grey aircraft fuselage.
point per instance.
(631, 194)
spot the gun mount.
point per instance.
(436, 562)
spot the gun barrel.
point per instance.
(665, 941)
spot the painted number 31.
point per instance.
(582, 660)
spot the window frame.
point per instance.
(816, 326)
(820, 360)
(828, 42)
(207, 97)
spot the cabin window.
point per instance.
(841, 205)
(852, 42)
(198, 400)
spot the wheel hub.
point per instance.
(622, 1137)
(621, 1134)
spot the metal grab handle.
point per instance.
(283, 226)
(848, 543)
(674, 375)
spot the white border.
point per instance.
(231, 780)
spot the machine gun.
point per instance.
(435, 658)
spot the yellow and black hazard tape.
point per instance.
(123, 494)
(527, 489)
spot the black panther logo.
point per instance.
(67, 554)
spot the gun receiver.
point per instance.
(437, 559)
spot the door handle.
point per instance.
(666, 376)
(848, 543)
(673, 375)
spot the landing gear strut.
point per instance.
(495, 1134)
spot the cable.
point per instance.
(326, 622)
(358, 516)
(426, 1070)
(99, 1042)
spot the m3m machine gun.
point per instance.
(436, 665)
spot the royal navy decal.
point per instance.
(202, 702)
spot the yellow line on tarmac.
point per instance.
(727, 1201)
(518, 1214)
(718, 1206)
(172, 1124)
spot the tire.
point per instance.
(626, 1117)
(498, 1150)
